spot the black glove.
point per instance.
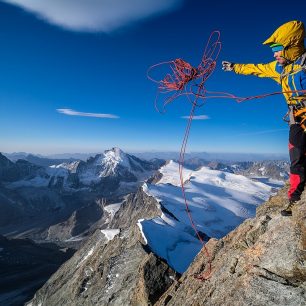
(228, 66)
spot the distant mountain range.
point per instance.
(276, 169)
(66, 199)
(104, 171)
(38, 159)
(48, 160)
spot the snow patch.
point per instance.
(139, 223)
(170, 174)
(75, 238)
(110, 233)
(86, 256)
(112, 208)
(115, 156)
(146, 190)
(176, 246)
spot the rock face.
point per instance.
(262, 262)
(114, 267)
(136, 206)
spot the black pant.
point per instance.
(297, 150)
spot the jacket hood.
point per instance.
(291, 35)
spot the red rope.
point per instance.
(184, 79)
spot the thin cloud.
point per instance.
(200, 117)
(95, 15)
(71, 112)
(262, 132)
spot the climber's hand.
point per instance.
(227, 66)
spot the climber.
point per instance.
(289, 70)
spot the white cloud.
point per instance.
(262, 132)
(200, 117)
(72, 112)
(95, 15)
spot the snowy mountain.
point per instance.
(67, 199)
(272, 169)
(109, 172)
(114, 163)
(218, 202)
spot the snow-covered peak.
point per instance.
(116, 151)
(109, 171)
(170, 174)
(69, 166)
(115, 156)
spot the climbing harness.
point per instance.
(299, 114)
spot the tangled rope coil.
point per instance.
(184, 80)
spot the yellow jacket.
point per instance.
(291, 76)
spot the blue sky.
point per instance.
(92, 57)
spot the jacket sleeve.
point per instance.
(261, 70)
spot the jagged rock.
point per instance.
(133, 209)
(155, 178)
(152, 281)
(115, 272)
(262, 262)
(114, 267)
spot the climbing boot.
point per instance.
(287, 212)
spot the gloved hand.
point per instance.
(227, 66)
